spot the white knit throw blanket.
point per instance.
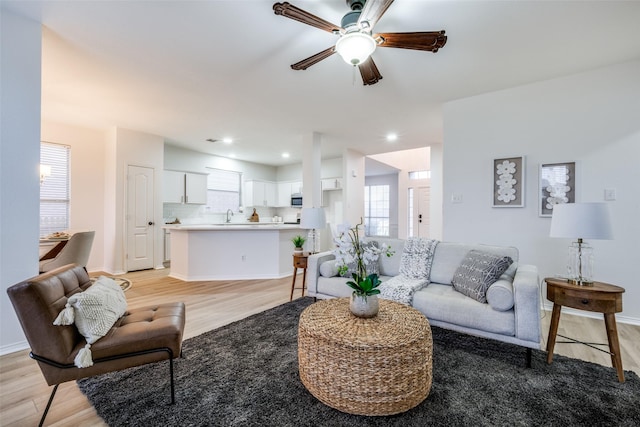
(415, 268)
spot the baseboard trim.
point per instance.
(12, 348)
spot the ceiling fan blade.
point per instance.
(306, 63)
(373, 11)
(290, 11)
(369, 72)
(426, 40)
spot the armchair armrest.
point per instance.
(526, 306)
(313, 270)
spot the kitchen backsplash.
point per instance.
(199, 214)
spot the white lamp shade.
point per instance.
(355, 47)
(581, 221)
(312, 218)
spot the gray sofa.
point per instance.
(512, 313)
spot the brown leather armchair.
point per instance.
(141, 336)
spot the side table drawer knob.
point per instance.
(585, 301)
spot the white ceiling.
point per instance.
(192, 70)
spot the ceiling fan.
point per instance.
(356, 42)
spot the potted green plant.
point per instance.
(351, 250)
(298, 242)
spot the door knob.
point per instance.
(150, 222)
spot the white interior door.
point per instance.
(140, 221)
(421, 215)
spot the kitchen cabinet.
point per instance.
(331, 184)
(284, 194)
(260, 193)
(184, 187)
(285, 190)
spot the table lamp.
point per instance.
(581, 221)
(313, 219)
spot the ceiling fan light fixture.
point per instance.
(355, 47)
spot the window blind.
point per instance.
(54, 190)
(223, 190)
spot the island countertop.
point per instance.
(231, 251)
(231, 226)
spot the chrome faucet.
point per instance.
(229, 211)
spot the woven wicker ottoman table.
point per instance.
(377, 366)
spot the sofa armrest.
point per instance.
(313, 270)
(526, 296)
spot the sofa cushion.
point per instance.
(500, 294)
(449, 255)
(329, 268)
(443, 303)
(477, 271)
(390, 266)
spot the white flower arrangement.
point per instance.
(353, 249)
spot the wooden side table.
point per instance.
(299, 261)
(601, 298)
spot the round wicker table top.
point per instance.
(395, 325)
(376, 366)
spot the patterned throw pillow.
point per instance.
(477, 272)
(372, 267)
(94, 312)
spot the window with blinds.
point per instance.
(376, 210)
(54, 190)
(223, 190)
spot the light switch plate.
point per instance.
(456, 198)
(609, 194)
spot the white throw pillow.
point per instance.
(329, 268)
(500, 294)
(94, 312)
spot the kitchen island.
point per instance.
(232, 251)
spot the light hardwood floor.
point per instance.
(24, 393)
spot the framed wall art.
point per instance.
(508, 182)
(557, 186)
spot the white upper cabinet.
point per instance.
(173, 187)
(260, 193)
(184, 187)
(196, 188)
(286, 189)
(331, 184)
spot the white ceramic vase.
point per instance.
(364, 306)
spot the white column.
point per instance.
(311, 162)
(353, 186)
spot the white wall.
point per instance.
(86, 211)
(407, 160)
(591, 118)
(20, 54)
(176, 158)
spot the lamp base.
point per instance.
(314, 241)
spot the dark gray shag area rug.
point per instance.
(246, 374)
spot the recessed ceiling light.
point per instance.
(392, 137)
(227, 140)
(285, 155)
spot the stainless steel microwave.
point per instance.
(296, 200)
